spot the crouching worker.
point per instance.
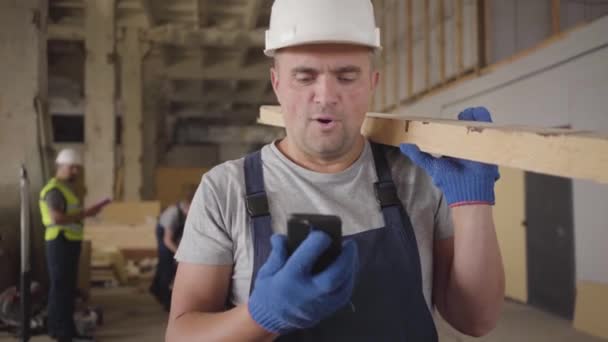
(169, 231)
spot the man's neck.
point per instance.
(320, 164)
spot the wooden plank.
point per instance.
(552, 151)
(591, 308)
(409, 46)
(106, 236)
(427, 44)
(441, 41)
(383, 90)
(459, 37)
(129, 212)
(481, 34)
(396, 65)
(555, 16)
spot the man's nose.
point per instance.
(326, 92)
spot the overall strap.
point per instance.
(386, 192)
(257, 208)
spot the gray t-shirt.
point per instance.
(55, 200)
(217, 230)
(170, 217)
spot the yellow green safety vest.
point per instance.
(72, 231)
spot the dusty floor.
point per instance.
(132, 315)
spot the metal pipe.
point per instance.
(25, 256)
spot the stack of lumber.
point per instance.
(122, 235)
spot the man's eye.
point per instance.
(304, 78)
(347, 78)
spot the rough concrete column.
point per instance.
(131, 57)
(153, 121)
(23, 71)
(100, 95)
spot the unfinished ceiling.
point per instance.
(214, 66)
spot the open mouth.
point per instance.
(325, 121)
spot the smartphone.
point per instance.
(298, 227)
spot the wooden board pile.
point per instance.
(123, 243)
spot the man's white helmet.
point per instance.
(68, 156)
(299, 22)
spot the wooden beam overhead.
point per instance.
(552, 151)
(175, 35)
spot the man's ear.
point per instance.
(375, 79)
(274, 79)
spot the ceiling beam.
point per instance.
(192, 70)
(175, 35)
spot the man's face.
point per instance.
(69, 172)
(324, 91)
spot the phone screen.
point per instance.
(298, 227)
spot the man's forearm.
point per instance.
(476, 288)
(62, 218)
(232, 325)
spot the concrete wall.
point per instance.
(23, 74)
(565, 83)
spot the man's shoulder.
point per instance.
(406, 173)
(225, 173)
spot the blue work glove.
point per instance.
(462, 181)
(287, 296)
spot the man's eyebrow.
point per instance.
(346, 69)
(302, 69)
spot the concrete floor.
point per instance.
(132, 315)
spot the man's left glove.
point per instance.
(463, 182)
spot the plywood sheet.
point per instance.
(509, 215)
(591, 310)
(130, 212)
(171, 183)
(121, 236)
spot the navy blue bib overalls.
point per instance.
(388, 301)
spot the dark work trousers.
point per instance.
(165, 271)
(62, 257)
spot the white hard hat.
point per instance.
(68, 156)
(299, 22)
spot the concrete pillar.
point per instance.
(100, 96)
(153, 122)
(23, 71)
(131, 56)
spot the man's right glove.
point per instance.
(287, 296)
